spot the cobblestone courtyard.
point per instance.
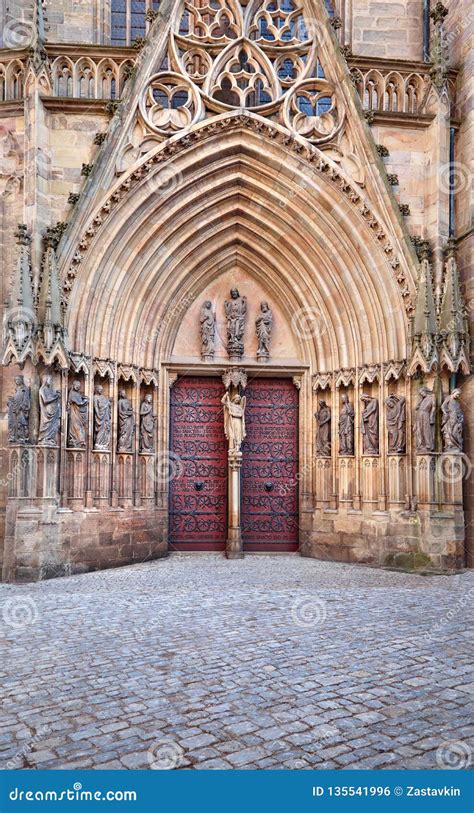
(269, 662)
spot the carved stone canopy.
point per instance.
(235, 377)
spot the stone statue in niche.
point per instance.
(19, 405)
(346, 427)
(50, 413)
(425, 421)
(264, 326)
(102, 420)
(370, 425)
(208, 330)
(234, 419)
(126, 424)
(323, 435)
(236, 313)
(452, 423)
(147, 425)
(78, 409)
(396, 423)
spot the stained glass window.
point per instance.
(129, 20)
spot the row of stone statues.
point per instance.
(19, 406)
(235, 310)
(395, 406)
(102, 406)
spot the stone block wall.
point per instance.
(390, 29)
(71, 144)
(46, 544)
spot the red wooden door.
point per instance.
(269, 467)
(198, 497)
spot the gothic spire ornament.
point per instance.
(439, 50)
(20, 317)
(453, 324)
(424, 354)
(51, 345)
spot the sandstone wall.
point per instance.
(460, 36)
(390, 29)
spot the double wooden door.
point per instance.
(198, 495)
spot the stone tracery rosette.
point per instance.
(170, 103)
(229, 57)
(311, 109)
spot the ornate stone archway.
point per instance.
(287, 199)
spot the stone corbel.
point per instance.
(235, 377)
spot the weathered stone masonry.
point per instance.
(142, 182)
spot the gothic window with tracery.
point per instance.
(128, 20)
(261, 55)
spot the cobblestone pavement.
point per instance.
(270, 662)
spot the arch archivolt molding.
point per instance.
(308, 158)
(149, 259)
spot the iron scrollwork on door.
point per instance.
(198, 498)
(270, 457)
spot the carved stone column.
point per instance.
(235, 381)
(234, 548)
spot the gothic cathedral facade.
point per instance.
(236, 266)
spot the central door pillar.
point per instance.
(234, 549)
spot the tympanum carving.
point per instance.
(264, 327)
(207, 321)
(236, 313)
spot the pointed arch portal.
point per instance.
(242, 316)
